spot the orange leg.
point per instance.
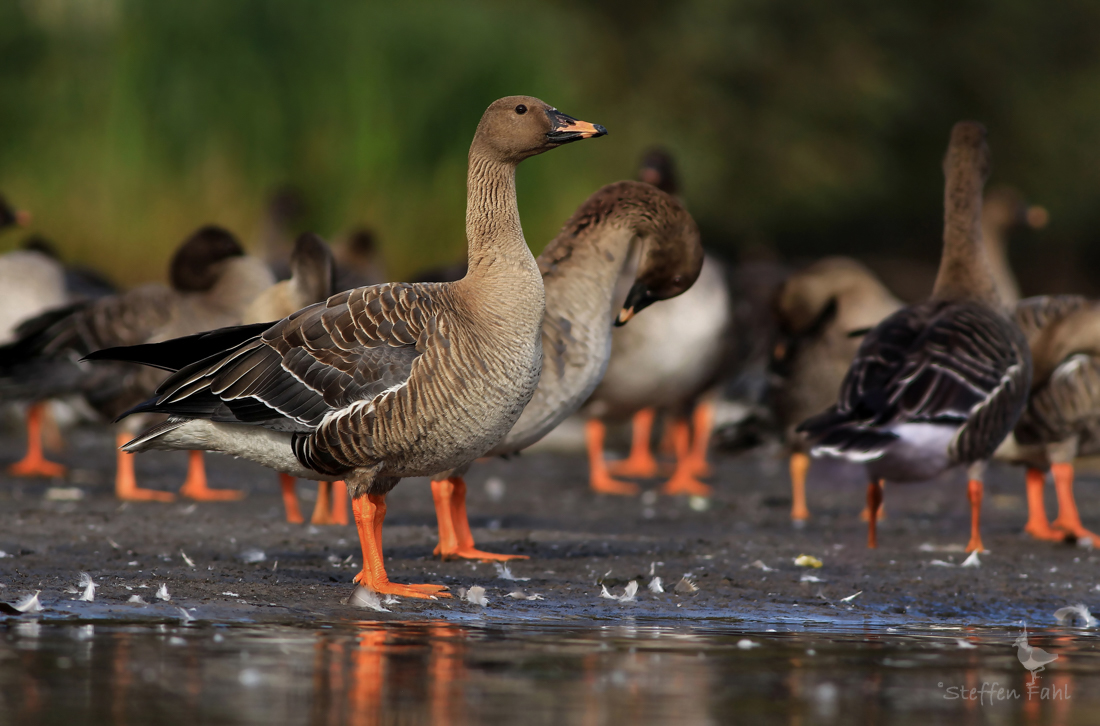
(35, 463)
(799, 465)
(322, 510)
(456, 541)
(1037, 524)
(339, 502)
(874, 501)
(640, 463)
(702, 424)
(195, 485)
(290, 499)
(598, 477)
(865, 515)
(683, 480)
(370, 511)
(975, 489)
(126, 487)
(1069, 519)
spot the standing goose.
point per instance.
(212, 282)
(1062, 418)
(383, 382)
(941, 383)
(667, 360)
(818, 308)
(627, 230)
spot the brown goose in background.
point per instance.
(382, 382)
(359, 261)
(668, 360)
(212, 282)
(942, 383)
(285, 206)
(1062, 418)
(1004, 209)
(625, 232)
(818, 309)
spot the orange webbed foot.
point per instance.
(975, 545)
(472, 553)
(685, 484)
(420, 591)
(607, 485)
(37, 467)
(641, 467)
(1045, 532)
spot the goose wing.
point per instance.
(941, 363)
(324, 362)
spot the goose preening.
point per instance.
(818, 309)
(382, 382)
(212, 283)
(941, 383)
(1062, 418)
(624, 230)
(666, 360)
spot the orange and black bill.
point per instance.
(639, 298)
(564, 129)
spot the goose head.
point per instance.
(11, 217)
(1004, 208)
(519, 127)
(198, 263)
(669, 264)
(659, 169)
(313, 269)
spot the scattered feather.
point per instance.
(190, 562)
(1075, 613)
(686, 585)
(113, 544)
(759, 564)
(252, 556)
(476, 596)
(495, 488)
(162, 592)
(964, 644)
(137, 600)
(941, 563)
(29, 604)
(504, 572)
(64, 494)
(89, 587)
(746, 644)
(698, 503)
(185, 616)
(851, 597)
(629, 592)
(972, 560)
(364, 598)
(230, 594)
(810, 578)
(808, 561)
(929, 547)
(4, 554)
(655, 585)
(521, 595)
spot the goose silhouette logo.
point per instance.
(1034, 659)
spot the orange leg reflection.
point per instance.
(367, 678)
(640, 462)
(456, 541)
(598, 476)
(34, 463)
(447, 671)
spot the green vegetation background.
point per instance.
(801, 127)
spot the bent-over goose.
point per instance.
(1062, 418)
(624, 230)
(383, 382)
(212, 282)
(941, 383)
(818, 310)
(667, 360)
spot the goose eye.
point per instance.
(521, 109)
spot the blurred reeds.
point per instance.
(801, 128)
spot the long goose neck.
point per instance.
(493, 230)
(964, 273)
(994, 234)
(580, 271)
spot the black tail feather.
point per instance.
(172, 355)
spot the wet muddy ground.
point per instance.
(738, 547)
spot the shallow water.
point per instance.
(447, 672)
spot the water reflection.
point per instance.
(368, 673)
